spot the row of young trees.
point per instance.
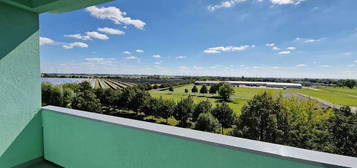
(287, 121)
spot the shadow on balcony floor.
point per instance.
(43, 164)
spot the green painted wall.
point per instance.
(75, 142)
(20, 124)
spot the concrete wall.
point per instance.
(73, 141)
(20, 124)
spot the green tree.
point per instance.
(207, 122)
(186, 90)
(343, 128)
(194, 89)
(225, 91)
(184, 110)
(137, 101)
(350, 83)
(213, 89)
(202, 107)
(155, 86)
(151, 106)
(171, 89)
(51, 94)
(86, 99)
(204, 89)
(224, 114)
(167, 109)
(258, 119)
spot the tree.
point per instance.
(51, 94)
(202, 107)
(207, 122)
(171, 89)
(343, 128)
(151, 106)
(85, 99)
(155, 86)
(203, 89)
(225, 91)
(137, 101)
(258, 119)
(224, 114)
(186, 90)
(167, 109)
(350, 83)
(194, 89)
(184, 110)
(213, 89)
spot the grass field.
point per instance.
(341, 96)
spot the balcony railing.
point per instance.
(74, 138)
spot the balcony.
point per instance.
(35, 137)
(74, 138)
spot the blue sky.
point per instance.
(260, 38)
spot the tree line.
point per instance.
(287, 121)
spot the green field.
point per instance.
(341, 96)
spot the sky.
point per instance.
(255, 38)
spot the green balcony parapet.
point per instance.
(76, 138)
(54, 6)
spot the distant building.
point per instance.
(254, 84)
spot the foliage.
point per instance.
(343, 128)
(224, 114)
(261, 119)
(202, 107)
(194, 89)
(171, 89)
(186, 90)
(225, 91)
(85, 99)
(204, 89)
(184, 110)
(350, 83)
(166, 109)
(207, 122)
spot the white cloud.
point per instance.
(300, 65)
(225, 4)
(105, 61)
(158, 63)
(74, 45)
(139, 51)
(275, 48)
(180, 57)
(156, 56)
(46, 41)
(311, 40)
(97, 35)
(284, 52)
(126, 52)
(325, 66)
(111, 31)
(232, 3)
(286, 2)
(355, 61)
(270, 44)
(78, 36)
(131, 58)
(291, 48)
(116, 15)
(215, 50)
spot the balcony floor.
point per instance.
(43, 164)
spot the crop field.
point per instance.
(340, 96)
(107, 83)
